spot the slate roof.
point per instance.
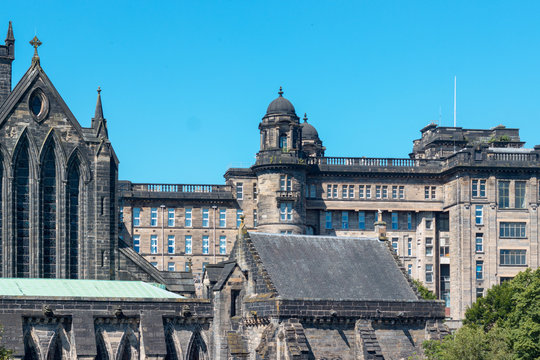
(83, 288)
(331, 268)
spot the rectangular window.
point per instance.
(409, 221)
(479, 270)
(170, 244)
(479, 243)
(187, 247)
(170, 266)
(512, 230)
(239, 191)
(328, 191)
(433, 192)
(137, 243)
(170, 217)
(504, 194)
(361, 220)
(361, 191)
(474, 188)
(205, 217)
(429, 224)
(344, 191)
(513, 257)
(153, 244)
(479, 215)
(222, 218)
(255, 193)
(402, 192)
(395, 244)
(351, 191)
(344, 219)
(444, 247)
(239, 214)
(285, 211)
(426, 192)
(479, 293)
(136, 216)
(328, 219)
(205, 245)
(385, 192)
(394, 192)
(520, 194)
(395, 223)
(285, 183)
(478, 188)
(187, 222)
(222, 245)
(378, 191)
(312, 191)
(334, 192)
(429, 246)
(409, 270)
(187, 267)
(153, 217)
(409, 247)
(429, 273)
(368, 191)
(255, 218)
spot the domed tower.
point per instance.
(281, 170)
(311, 144)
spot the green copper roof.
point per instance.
(82, 288)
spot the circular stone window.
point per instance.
(38, 105)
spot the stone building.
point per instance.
(461, 209)
(58, 196)
(286, 297)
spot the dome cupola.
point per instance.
(280, 106)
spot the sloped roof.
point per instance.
(82, 288)
(331, 268)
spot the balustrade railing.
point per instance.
(364, 161)
(181, 188)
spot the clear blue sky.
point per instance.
(185, 83)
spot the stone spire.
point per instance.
(10, 38)
(99, 108)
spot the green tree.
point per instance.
(505, 324)
(424, 291)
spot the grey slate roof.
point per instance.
(331, 268)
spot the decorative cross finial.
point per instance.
(280, 92)
(35, 43)
(305, 117)
(99, 89)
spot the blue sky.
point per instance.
(185, 83)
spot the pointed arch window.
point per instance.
(30, 349)
(102, 353)
(197, 348)
(172, 354)
(21, 211)
(48, 212)
(72, 220)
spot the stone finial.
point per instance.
(305, 117)
(35, 43)
(280, 92)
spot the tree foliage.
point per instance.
(424, 291)
(505, 324)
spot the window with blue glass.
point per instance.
(205, 245)
(328, 219)
(395, 243)
(344, 219)
(170, 266)
(222, 245)
(361, 220)
(187, 222)
(479, 215)
(285, 211)
(394, 221)
(170, 244)
(409, 270)
(136, 216)
(479, 242)
(409, 247)
(153, 244)
(283, 142)
(153, 217)
(187, 244)
(222, 218)
(137, 243)
(170, 217)
(479, 270)
(409, 221)
(205, 217)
